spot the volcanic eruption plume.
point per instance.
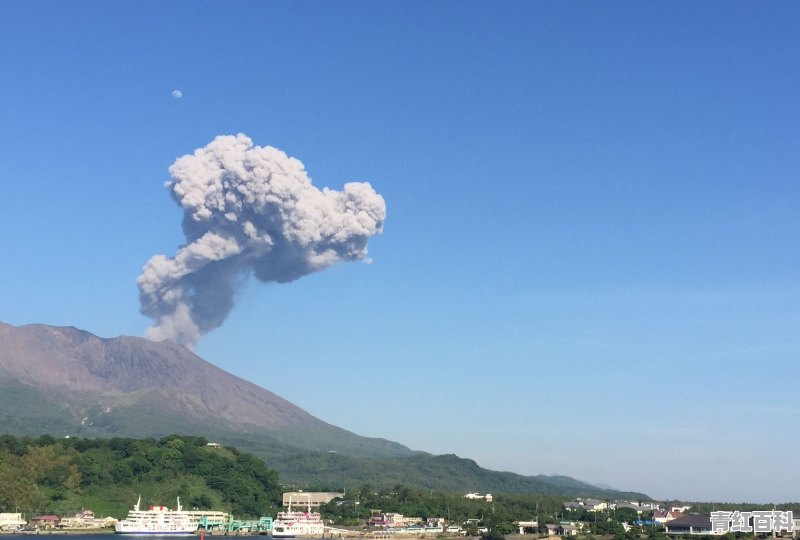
(248, 209)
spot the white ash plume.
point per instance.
(248, 210)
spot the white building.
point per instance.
(594, 505)
(314, 499)
(85, 519)
(528, 527)
(11, 521)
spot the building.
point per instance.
(569, 530)
(208, 519)
(528, 527)
(388, 520)
(552, 529)
(314, 499)
(45, 522)
(11, 521)
(81, 520)
(690, 524)
(663, 516)
(406, 521)
(85, 519)
(488, 496)
(593, 505)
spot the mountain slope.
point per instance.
(444, 473)
(64, 381)
(135, 387)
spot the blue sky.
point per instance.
(589, 263)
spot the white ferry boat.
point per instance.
(157, 521)
(298, 524)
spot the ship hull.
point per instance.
(155, 533)
(297, 532)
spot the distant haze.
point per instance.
(248, 210)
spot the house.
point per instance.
(568, 530)
(690, 524)
(44, 522)
(378, 519)
(663, 516)
(390, 520)
(81, 520)
(405, 521)
(528, 527)
(552, 529)
(85, 519)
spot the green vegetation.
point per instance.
(498, 516)
(445, 473)
(62, 476)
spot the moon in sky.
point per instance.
(177, 94)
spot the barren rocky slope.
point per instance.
(132, 386)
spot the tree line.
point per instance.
(62, 476)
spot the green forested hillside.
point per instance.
(444, 473)
(62, 476)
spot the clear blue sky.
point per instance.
(590, 257)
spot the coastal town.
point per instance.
(301, 517)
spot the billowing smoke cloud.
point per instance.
(248, 210)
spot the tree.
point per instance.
(628, 515)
